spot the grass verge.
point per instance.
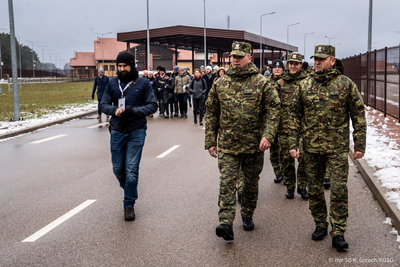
(37, 99)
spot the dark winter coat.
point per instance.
(168, 93)
(198, 88)
(159, 86)
(140, 97)
(209, 82)
(101, 86)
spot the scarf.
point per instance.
(197, 78)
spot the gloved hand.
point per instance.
(129, 113)
(92, 97)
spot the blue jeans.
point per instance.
(126, 152)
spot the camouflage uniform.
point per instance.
(275, 152)
(324, 103)
(285, 88)
(244, 110)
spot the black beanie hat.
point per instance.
(278, 62)
(127, 58)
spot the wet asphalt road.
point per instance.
(176, 213)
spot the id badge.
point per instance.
(121, 102)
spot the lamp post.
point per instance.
(261, 56)
(56, 60)
(205, 36)
(1, 61)
(337, 44)
(287, 44)
(42, 46)
(102, 41)
(148, 38)
(330, 38)
(33, 59)
(305, 44)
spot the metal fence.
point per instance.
(26, 76)
(376, 74)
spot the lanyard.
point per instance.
(126, 87)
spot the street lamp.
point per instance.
(261, 57)
(337, 44)
(205, 38)
(56, 60)
(20, 65)
(1, 61)
(305, 44)
(42, 46)
(330, 38)
(102, 41)
(287, 44)
(33, 58)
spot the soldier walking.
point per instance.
(285, 88)
(321, 109)
(243, 114)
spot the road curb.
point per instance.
(367, 172)
(44, 125)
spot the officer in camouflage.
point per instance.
(285, 87)
(320, 112)
(275, 152)
(243, 115)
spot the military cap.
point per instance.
(240, 48)
(295, 57)
(323, 51)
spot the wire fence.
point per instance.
(28, 76)
(376, 74)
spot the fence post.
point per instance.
(375, 83)
(398, 73)
(368, 74)
(385, 87)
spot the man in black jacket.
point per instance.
(209, 77)
(129, 99)
(100, 82)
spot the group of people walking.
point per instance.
(297, 113)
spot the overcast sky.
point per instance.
(68, 26)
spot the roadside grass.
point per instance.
(38, 99)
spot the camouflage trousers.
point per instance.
(336, 168)
(229, 166)
(276, 157)
(288, 166)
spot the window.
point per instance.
(112, 67)
(105, 67)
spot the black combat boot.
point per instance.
(327, 183)
(319, 233)
(248, 224)
(278, 178)
(339, 243)
(129, 214)
(302, 193)
(290, 194)
(225, 231)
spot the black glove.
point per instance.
(129, 113)
(92, 97)
(122, 123)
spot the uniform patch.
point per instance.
(319, 49)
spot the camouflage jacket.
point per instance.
(320, 111)
(241, 109)
(271, 80)
(285, 88)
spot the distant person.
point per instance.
(321, 110)
(198, 87)
(129, 99)
(174, 74)
(169, 97)
(100, 82)
(181, 90)
(221, 72)
(241, 122)
(159, 84)
(276, 155)
(215, 70)
(209, 77)
(267, 71)
(151, 79)
(144, 75)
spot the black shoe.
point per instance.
(248, 224)
(290, 194)
(182, 116)
(278, 178)
(129, 214)
(303, 193)
(176, 115)
(161, 115)
(240, 198)
(195, 121)
(225, 231)
(319, 233)
(201, 123)
(185, 116)
(166, 117)
(339, 243)
(284, 180)
(327, 183)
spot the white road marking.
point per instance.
(49, 139)
(57, 222)
(168, 151)
(98, 125)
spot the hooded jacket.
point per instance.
(241, 109)
(180, 81)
